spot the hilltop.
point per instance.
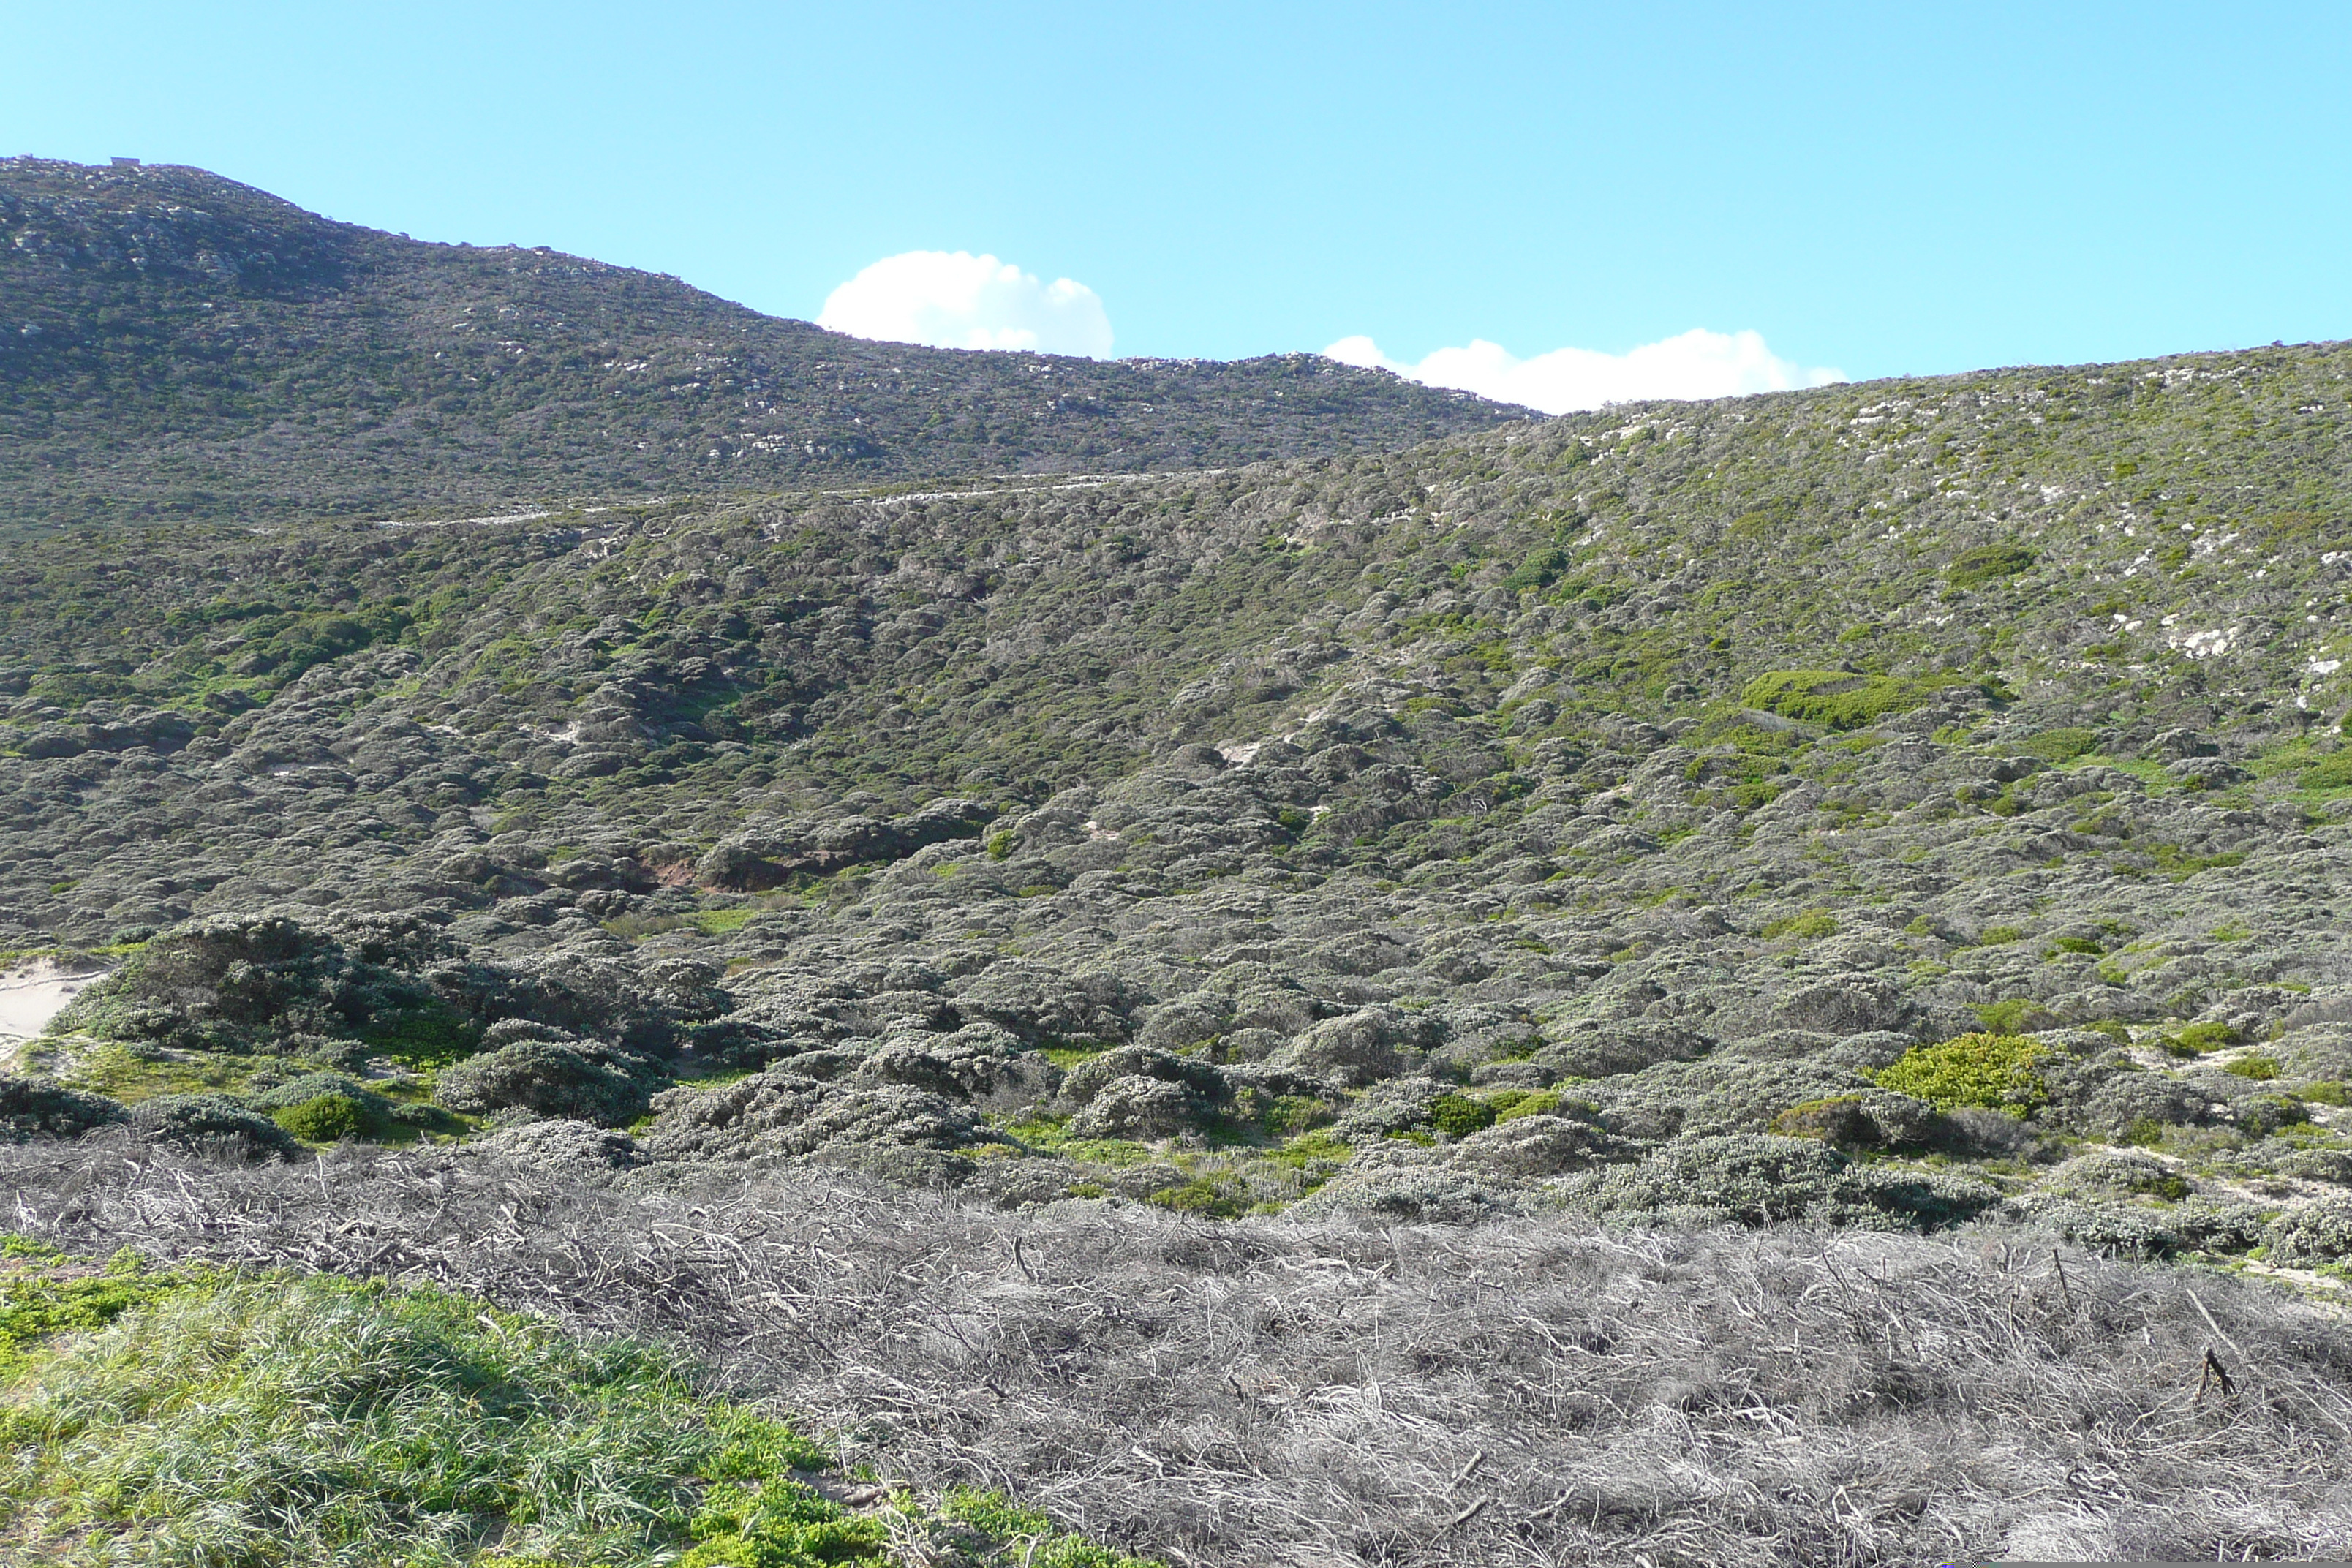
(181, 346)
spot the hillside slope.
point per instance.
(178, 345)
(1886, 803)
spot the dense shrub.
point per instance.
(36, 1107)
(1974, 568)
(329, 1118)
(586, 1081)
(1990, 1072)
(2319, 1233)
(278, 981)
(1458, 1115)
(1754, 1179)
(211, 1122)
(1879, 1121)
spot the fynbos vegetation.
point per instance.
(1589, 988)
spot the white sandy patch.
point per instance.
(33, 994)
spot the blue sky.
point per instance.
(1875, 188)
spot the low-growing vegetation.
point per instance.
(1777, 1397)
(1990, 1072)
(198, 1415)
(1618, 881)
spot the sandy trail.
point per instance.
(32, 994)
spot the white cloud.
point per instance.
(954, 299)
(1696, 364)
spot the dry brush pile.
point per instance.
(1541, 1391)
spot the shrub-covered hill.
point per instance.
(175, 345)
(1889, 804)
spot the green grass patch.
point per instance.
(131, 1074)
(2179, 865)
(1808, 927)
(1310, 1147)
(1219, 1194)
(2328, 773)
(2011, 1015)
(1046, 1134)
(429, 1036)
(2060, 745)
(204, 1416)
(2198, 1039)
(1836, 698)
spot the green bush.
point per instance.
(329, 1118)
(1987, 1072)
(1541, 569)
(1806, 927)
(2262, 1069)
(1512, 1103)
(1458, 1115)
(1222, 1195)
(2078, 944)
(1975, 568)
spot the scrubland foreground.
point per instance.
(1915, 812)
(1265, 1391)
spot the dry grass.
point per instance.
(1268, 1392)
